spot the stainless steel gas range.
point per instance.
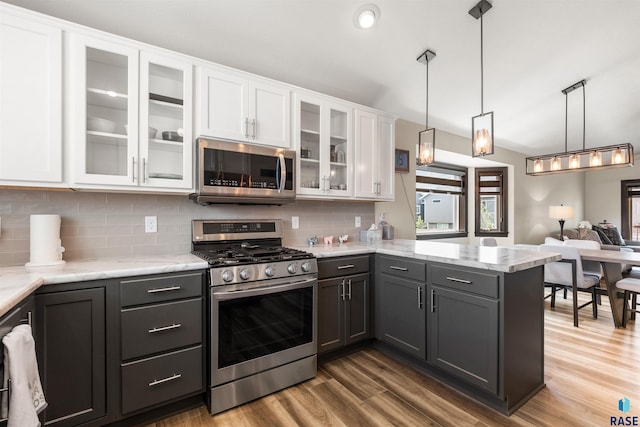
(261, 312)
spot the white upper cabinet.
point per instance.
(235, 107)
(122, 103)
(375, 154)
(30, 101)
(323, 143)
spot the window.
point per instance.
(491, 202)
(441, 200)
(630, 209)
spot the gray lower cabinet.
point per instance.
(344, 302)
(70, 345)
(161, 334)
(400, 304)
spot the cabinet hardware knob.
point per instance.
(165, 328)
(170, 288)
(164, 380)
(454, 279)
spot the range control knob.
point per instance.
(305, 267)
(291, 268)
(245, 274)
(227, 275)
(269, 271)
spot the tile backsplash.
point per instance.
(111, 225)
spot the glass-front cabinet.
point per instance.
(324, 146)
(131, 114)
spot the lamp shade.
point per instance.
(560, 212)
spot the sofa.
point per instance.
(609, 237)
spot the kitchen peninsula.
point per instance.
(470, 316)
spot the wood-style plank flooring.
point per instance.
(587, 370)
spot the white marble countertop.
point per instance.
(17, 283)
(502, 258)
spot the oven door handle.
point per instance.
(264, 290)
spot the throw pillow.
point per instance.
(614, 235)
(603, 236)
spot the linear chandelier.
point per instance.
(607, 157)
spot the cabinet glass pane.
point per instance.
(107, 100)
(166, 122)
(309, 145)
(338, 150)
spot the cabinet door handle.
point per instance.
(419, 297)
(342, 267)
(393, 267)
(349, 282)
(170, 288)
(164, 380)
(133, 169)
(342, 290)
(27, 321)
(246, 127)
(454, 279)
(165, 328)
(145, 178)
(254, 126)
(433, 301)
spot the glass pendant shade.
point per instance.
(595, 159)
(482, 134)
(574, 161)
(555, 164)
(588, 159)
(426, 146)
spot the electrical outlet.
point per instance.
(358, 221)
(150, 224)
(295, 222)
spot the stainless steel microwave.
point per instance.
(233, 172)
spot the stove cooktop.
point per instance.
(254, 254)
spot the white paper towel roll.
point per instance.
(46, 246)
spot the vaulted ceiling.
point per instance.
(532, 50)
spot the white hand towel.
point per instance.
(27, 397)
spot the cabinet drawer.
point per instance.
(402, 267)
(344, 266)
(157, 289)
(158, 379)
(160, 327)
(472, 281)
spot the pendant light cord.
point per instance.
(426, 120)
(584, 115)
(566, 119)
(481, 68)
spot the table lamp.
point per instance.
(561, 213)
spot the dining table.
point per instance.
(611, 261)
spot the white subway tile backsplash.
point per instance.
(111, 225)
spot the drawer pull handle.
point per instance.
(170, 288)
(454, 279)
(164, 380)
(342, 267)
(393, 267)
(165, 328)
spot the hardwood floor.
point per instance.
(587, 370)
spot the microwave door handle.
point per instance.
(283, 172)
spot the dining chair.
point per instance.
(568, 273)
(588, 267)
(488, 241)
(631, 287)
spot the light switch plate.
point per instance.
(295, 222)
(150, 224)
(358, 221)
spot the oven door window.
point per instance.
(256, 326)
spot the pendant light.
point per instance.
(482, 124)
(427, 137)
(587, 158)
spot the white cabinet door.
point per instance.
(224, 105)
(166, 100)
(270, 115)
(366, 180)
(386, 157)
(30, 101)
(104, 98)
(375, 154)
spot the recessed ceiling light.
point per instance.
(366, 16)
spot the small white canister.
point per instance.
(45, 244)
